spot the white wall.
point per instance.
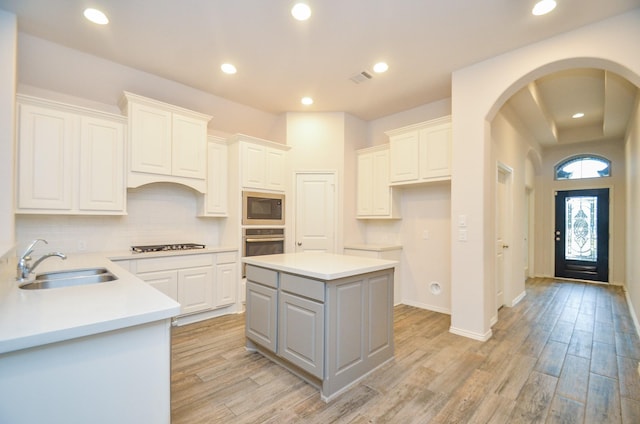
(8, 37)
(632, 153)
(614, 151)
(511, 146)
(317, 143)
(478, 92)
(157, 214)
(43, 65)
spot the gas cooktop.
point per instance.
(166, 247)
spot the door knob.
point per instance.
(299, 243)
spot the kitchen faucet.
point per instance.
(24, 267)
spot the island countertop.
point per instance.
(323, 266)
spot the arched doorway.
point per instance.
(478, 93)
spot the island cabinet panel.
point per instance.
(262, 314)
(359, 328)
(301, 332)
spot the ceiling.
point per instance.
(279, 59)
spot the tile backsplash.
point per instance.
(157, 213)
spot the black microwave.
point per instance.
(262, 208)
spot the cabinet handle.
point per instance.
(505, 246)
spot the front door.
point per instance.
(582, 234)
(315, 212)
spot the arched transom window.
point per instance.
(584, 166)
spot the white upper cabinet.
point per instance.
(167, 143)
(70, 159)
(375, 198)
(421, 153)
(262, 163)
(102, 185)
(215, 202)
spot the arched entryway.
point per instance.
(479, 92)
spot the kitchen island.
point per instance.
(327, 318)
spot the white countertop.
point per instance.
(373, 247)
(323, 266)
(30, 318)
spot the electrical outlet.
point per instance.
(82, 245)
(425, 235)
(462, 235)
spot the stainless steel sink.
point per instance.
(69, 278)
(71, 273)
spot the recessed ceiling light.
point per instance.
(301, 11)
(543, 7)
(577, 115)
(380, 67)
(96, 16)
(307, 101)
(228, 68)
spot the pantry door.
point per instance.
(582, 234)
(315, 212)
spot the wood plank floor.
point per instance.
(567, 353)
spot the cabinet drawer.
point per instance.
(174, 262)
(226, 258)
(262, 276)
(307, 287)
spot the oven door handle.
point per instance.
(257, 240)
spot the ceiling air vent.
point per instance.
(361, 77)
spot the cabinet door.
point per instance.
(195, 289)
(150, 139)
(261, 315)
(381, 193)
(226, 287)
(216, 197)
(189, 147)
(301, 333)
(46, 140)
(275, 170)
(365, 184)
(164, 281)
(435, 152)
(101, 165)
(404, 157)
(254, 166)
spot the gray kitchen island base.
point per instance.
(330, 332)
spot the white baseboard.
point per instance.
(518, 298)
(426, 306)
(632, 311)
(470, 334)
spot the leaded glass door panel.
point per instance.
(582, 234)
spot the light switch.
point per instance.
(462, 235)
(425, 235)
(462, 221)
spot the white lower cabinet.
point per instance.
(199, 282)
(164, 281)
(195, 289)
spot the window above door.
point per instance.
(583, 166)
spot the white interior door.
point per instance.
(315, 212)
(503, 218)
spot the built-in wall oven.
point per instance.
(262, 208)
(262, 241)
